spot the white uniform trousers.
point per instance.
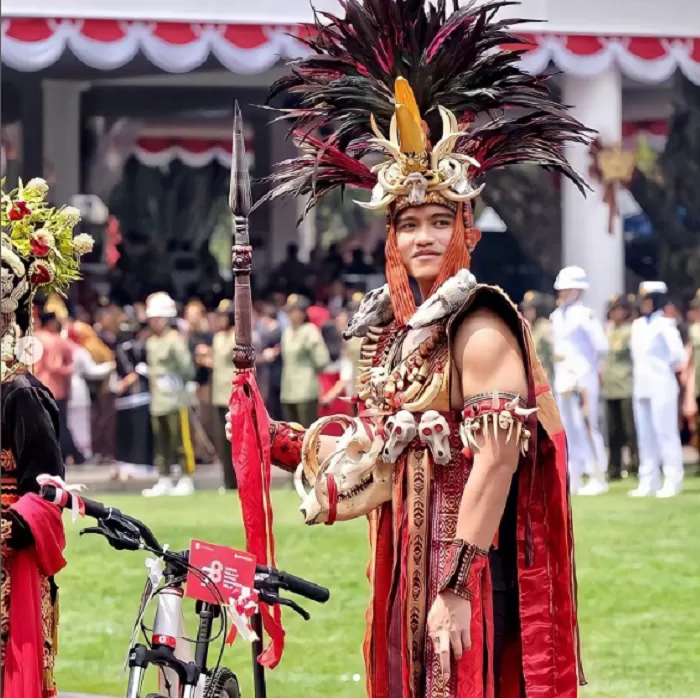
(659, 442)
(586, 449)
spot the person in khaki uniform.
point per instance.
(222, 378)
(617, 386)
(304, 356)
(536, 308)
(170, 367)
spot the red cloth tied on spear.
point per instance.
(250, 451)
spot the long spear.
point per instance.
(250, 425)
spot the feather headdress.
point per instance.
(436, 93)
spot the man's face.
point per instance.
(647, 306)
(423, 234)
(193, 315)
(618, 315)
(157, 324)
(568, 295)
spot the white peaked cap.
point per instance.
(571, 278)
(160, 305)
(647, 287)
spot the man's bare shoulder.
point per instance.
(487, 354)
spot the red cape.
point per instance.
(24, 662)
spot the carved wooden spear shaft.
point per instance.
(240, 203)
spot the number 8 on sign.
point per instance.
(214, 572)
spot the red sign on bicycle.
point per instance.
(225, 569)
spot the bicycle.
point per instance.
(124, 532)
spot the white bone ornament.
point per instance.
(434, 432)
(399, 431)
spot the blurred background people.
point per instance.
(134, 432)
(170, 368)
(334, 380)
(222, 371)
(55, 370)
(691, 402)
(580, 346)
(85, 368)
(616, 387)
(657, 355)
(304, 355)
(270, 359)
(536, 308)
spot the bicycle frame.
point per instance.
(166, 628)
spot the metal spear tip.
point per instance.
(239, 198)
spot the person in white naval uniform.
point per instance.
(657, 355)
(580, 345)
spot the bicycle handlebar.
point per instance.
(295, 584)
(64, 499)
(97, 510)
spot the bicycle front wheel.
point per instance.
(222, 684)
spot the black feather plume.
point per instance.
(467, 62)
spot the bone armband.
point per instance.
(285, 445)
(462, 569)
(490, 412)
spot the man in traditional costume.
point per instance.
(38, 253)
(580, 347)
(458, 455)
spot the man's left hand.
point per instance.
(449, 622)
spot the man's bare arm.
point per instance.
(488, 359)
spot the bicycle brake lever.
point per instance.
(118, 539)
(273, 599)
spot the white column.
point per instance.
(284, 211)
(62, 137)
(587, 242)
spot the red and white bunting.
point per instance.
(34, 44)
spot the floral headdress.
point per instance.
(39, 252)
(454, 103)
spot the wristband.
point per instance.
(462, 569)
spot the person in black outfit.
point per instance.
(32, 531)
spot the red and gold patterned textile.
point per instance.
(411, 536)
(48, 601)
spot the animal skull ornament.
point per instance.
(434, 432)
(353, 476)
(399, 431)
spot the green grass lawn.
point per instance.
(639, 580)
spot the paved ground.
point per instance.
(99, 478)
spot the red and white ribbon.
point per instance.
(62, 490)
(242, 606)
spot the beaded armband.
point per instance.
(285, 445)
(462, 569)
(490, 412)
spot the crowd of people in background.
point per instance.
(628, 388)
(147, 385)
